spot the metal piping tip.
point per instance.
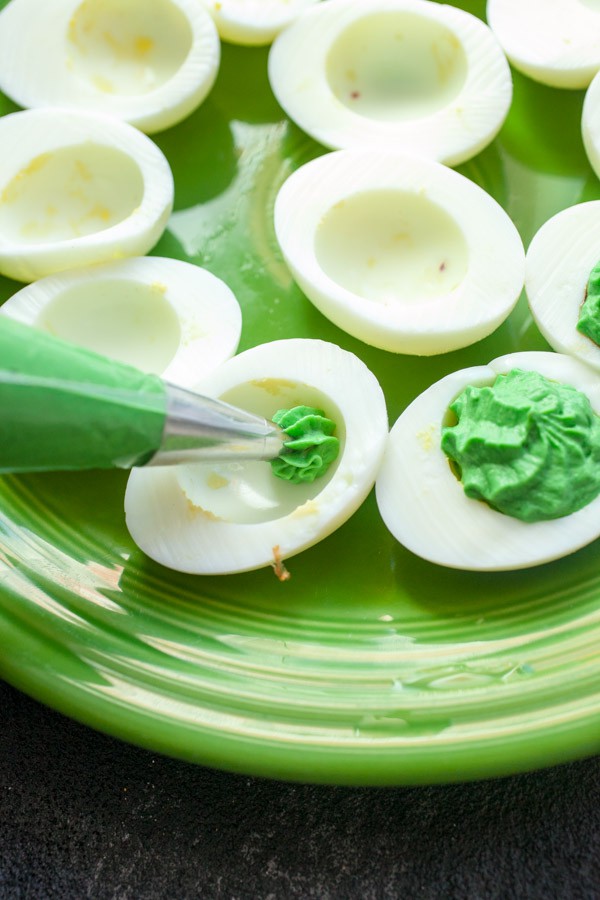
(200, 429)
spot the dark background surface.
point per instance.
(83, 815)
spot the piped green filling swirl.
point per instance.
(589, 314)
(311, 446)
(528, 446)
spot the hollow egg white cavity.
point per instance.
(412, 75)
(233, 517)
(559, 261)
(556, 42)
(162, 316)
(402, 253)
(254, 21)
(590, 123)
(75, 189)
(424, 505)
(149, 64)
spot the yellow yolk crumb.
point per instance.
(216, 481)
(426, 438)
(143, 45)
(274, 386)
(11, 191)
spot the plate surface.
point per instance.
(369, 666)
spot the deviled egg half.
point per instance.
(254, 21)
(233, 517)
(590, 123)
(149, 64)
(75, 189)
(411, 75)
(422, 500)
(559, 262)
(402, 253)
(162, 316)
(556, 42)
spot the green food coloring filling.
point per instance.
(589, 314)
(310, 447)
(527, 446)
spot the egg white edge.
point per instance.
(448, 323)
(541, 53)
(156, 494)
(451, 135)
(29, 134)
(208, 313)
(559, 261)
(256, 26)
(590, 124)
(46, 34)
(416, 479)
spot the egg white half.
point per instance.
(254, 21)
(148, 64)
(424, 505)
(411, 75)
(75, 189)
(590, 124)
(556, 42)
(163, 316)
(233, 517)
(559, 261)
(402, 253)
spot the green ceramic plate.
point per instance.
(370, 666)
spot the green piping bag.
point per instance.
(64, 407)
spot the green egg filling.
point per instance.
(527, 446)
(589, 314)
(310, 446)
